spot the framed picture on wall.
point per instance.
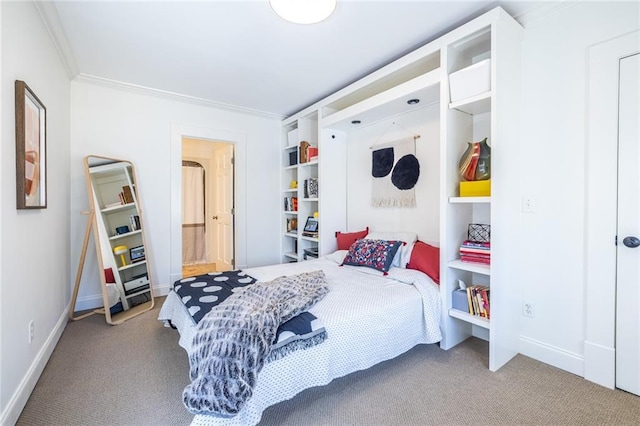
(31, 149)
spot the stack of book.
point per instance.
(134, 221)
(478, 299)
(291, 204)
(475, 252)
(126, 196)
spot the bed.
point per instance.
(369, 317)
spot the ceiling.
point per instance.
(240, 53)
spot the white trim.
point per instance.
(239, 139)
(51, 20)
(135, 88)
(599, 364)
(601, 204)
(552, 355)
(20, 397)
(543, 10)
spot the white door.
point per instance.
(628, 249)
(224, 208)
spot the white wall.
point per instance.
(136, 126)
(422, 219)
(554, 108)
(34, 266)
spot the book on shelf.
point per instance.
(127, 194)
(478, 298)
(311, 188)
(134, 222)
(291, 204)
(475, 252)
(292, 224)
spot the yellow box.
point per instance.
(477, 188)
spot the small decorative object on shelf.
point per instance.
(311, 228)
(475, 163)
(293, 184)
(121, 250)
(475, 170)
(479, 233)
(304, 153)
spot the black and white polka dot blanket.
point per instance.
(201, 293)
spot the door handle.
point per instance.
(631, 242)
(215, 217)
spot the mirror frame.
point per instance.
(95, 210)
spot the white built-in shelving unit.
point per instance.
(384, 94)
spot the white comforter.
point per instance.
(369, 318)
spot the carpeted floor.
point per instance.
(134, 373)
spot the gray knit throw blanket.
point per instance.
(234, 338)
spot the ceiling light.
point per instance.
(303, 11)
(413, 101)
(356, 121)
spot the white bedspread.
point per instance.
(368, 318)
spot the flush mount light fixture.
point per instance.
(303, 11)
(356, 121)
(413, 101)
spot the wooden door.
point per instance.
(223, 214)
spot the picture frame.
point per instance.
(31, 149)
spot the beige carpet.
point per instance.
(134, 373)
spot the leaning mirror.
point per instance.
(118, 231)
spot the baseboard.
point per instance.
(89, 302)
(19, 399)
(161, 290)
(600, 364)
(560, 358)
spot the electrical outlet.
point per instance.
(528, 309)
(31, 331)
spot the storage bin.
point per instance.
(476, 188)
(470, 81)
(459, 300)
(292, 137)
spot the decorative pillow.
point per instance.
(346, 239)
(337, 256)
(376, 254)
(426, 258)
(402, 256)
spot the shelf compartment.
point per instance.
(391, 102)
(478, 104)
(467, 317)
(291, 255)
(118, 208)
(128, 234)
(470, 267)
(132, 265)
(469, 200)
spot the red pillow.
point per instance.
(346, 239)
(426, 258)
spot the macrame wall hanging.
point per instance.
(395, 170)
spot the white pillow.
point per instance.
(338, 256)
(403, 255)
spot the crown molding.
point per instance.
(542, 10)
(134, 88)
(51, 19)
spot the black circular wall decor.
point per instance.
(382, 162)
(406, 172)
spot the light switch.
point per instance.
(528, 204)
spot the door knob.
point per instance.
(631, 242)
(215, 217)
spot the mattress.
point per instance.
(369, 318)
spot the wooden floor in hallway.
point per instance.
(203, 268)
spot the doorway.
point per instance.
(628, 247)
(208, 194)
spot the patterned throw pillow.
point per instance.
(376, 254)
